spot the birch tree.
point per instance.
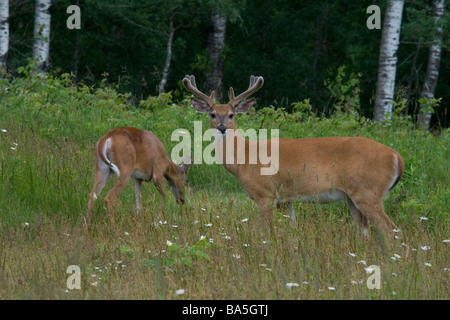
(4, 35)
(166, 68)
(41, 36)
(215, 47)
(431, 77)
(387, 63)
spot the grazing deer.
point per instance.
(355, 169)
(139, 154)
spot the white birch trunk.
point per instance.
(387, 63)
(41, 36)
(216, 44)
(165, 73)
(4, 35)
(434, 62)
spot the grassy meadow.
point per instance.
(215, 246)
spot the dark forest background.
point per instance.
(302, 48)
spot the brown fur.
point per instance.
(359, 169)
(139, 153)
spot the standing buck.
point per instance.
(358, 170)
(139, 154)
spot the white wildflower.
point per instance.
(352, 254)
(425, 248)
(427, 264)
(369, 270)
(179, 291)
(292, 284)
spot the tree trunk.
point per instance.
(41, 36)
(387, 63)
(216, 44)
(4, 35)
(165, 73)
(431, 77)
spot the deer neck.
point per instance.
(227, 150)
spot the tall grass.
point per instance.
(220, 248)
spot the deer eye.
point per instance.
(213, 115)
(231, 116)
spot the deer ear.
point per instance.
(184, 167)
(244, 106)
(200, 105)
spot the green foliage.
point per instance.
(182, 256)
(430, 106)
(344, 92)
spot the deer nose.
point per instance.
(222, 128)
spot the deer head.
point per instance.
(222, 116)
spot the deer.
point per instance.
(139, 154)
(357, 170)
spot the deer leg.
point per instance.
(115, 192)
(158, 181)
(358, 218)
(372, 209)
(137, 193)
(101, 177)
(265, 205)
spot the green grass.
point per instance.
(46, 174)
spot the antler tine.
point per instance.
(189, 83)
(255, 84)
